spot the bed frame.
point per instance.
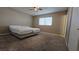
(23, 36)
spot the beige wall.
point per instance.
(58, 24)
(9, 16)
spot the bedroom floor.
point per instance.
(42, 42)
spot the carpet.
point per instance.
(41, 42)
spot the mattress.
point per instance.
(21, 30)
(35, 30)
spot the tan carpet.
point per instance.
(42, 42)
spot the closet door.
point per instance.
(74, 32)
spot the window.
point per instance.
(45, 21)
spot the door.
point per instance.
(74, 32)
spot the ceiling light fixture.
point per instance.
(36, 8)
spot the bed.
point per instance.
(23, 31)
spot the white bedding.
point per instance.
(23, 29)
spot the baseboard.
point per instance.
(5, 34)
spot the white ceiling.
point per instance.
(44, 10)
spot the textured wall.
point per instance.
(58, 24)
(9, 16)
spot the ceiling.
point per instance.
(45, 10)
